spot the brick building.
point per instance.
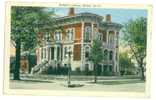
(77, 36)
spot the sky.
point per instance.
(118, 15)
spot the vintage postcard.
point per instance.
(72, 49)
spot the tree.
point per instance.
(135, 37)
(96, 55)
(126, 65)
(26, 22)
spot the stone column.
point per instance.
(40, 55)
(107, 32)
(37, 54)
(60, 52)
(47, 53)
(44, 51)
(117, 51)
(92, 33)
(50, 53)
(82, 33)
(114, 54)
(55, 53)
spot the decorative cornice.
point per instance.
(106, 25)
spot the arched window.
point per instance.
(111, 37)
(111, 55)
(87, 33)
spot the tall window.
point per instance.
(111, 55)
(52, 53)
(57, 35)
(87, 49)
(58, 53)
(100, 36)
(70, 34)
(110, 68)
(104, 36)
(87, 33)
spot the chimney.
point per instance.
(71, 12)
(108, 18)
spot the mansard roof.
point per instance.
(103, 24)
(84, 14)
(90, 14)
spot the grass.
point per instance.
(117, 82)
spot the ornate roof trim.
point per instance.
(79, 15)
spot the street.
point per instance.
(84, 83)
